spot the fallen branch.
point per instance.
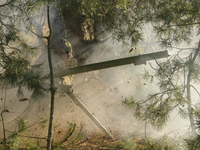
(69, 134)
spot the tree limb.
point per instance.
(191, 117)
(66, 138)
(6, 3)
(195, 89)
(37, 34)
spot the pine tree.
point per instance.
(16, 68)
(15, 54)
(174, 79)
(174, 22)
(122, 19)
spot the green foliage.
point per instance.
(22, 124)
(170, 77)
(192, 142)
(127, 144)
(195, 73)
(78, 134)
(174, 21)
(14, 142)
(33, 146)
(72, 137)
(16, 53)
(164, 143)
(132, 103)
(147, 76)
(123, 19)
(43, 123)
(129, 102)
(57, 146)
(19, 73)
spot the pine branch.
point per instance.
(70, 133)
(169, 79)
(196, 53)
(179, 25)
(46, 37)
(18, 116)
(195, 89)
(27, 127)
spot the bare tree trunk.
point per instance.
(191, 117)
(4, 130)
(52, 88)
(2, 118)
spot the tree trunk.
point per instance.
(52, 88)
(4, 130)
(191, 117)
(2, 118)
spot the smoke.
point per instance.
(100, 91)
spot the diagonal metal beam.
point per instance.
(89, 114)
(140, 59)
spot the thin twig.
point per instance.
(69, 134)
(101, 55)
(195, 89)
(37, 34)
(24, 128)
(34, 137)
(18, 115)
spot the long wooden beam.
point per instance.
(140, 59)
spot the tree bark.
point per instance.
(52, 88)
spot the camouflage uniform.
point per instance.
(67, 49)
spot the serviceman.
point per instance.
(63, 48)
(67, 50)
